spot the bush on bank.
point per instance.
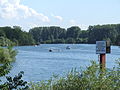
(7, 55)
(90, 79)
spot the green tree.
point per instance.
(47, 34)
(7, 55)
(102, 32)
(73, 32)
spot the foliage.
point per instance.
(12, 53)
(4, 69)
(7, 55)
(53, 34)
(47, 34)
(70, 40)
(15, 83)
(118, 40)
(92, 78)
(6, 42)
(74, 34)
(15, 36)
(102, 32)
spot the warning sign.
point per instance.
(100, 47)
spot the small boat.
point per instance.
(35, 45)
(54, 49)
(50, 50)
(68, 47)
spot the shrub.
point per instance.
(7, 55)
(15, 83)
(92, 78)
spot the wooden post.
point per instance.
(102, 61)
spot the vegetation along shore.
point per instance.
(54, 35)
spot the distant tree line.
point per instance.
(59, 35)
(74, 34)
(109, 32)
(15, 36)
(56, 35)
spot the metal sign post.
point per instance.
(102, 47)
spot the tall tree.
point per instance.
(73, 32)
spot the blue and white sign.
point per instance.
(100, 47)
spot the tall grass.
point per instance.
(92, 78)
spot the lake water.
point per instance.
(40, 64)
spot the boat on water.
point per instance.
(54, 49)
(50, 50)
(68, 47)
(35, 45)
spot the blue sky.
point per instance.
(63, 13)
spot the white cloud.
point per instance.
(57, 17)
(72, 22)
(75, 23)
(12, 9)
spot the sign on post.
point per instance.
(103, 47)
(100, 47)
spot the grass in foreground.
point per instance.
(90, 79)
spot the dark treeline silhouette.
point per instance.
(55, 35)
(74, 34)
(59, 35)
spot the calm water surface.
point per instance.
(40, 64)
